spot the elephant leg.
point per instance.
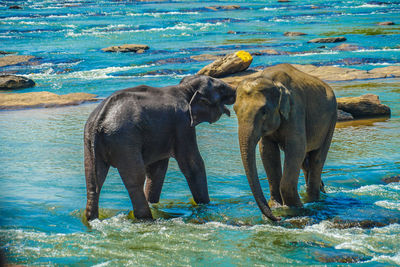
(95, 171)
(317, 161)
(306, 167)
(294, 157)
(271, 159)
(132, 171)
(155, 174)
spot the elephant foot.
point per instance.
(91, 214)
(272, 203)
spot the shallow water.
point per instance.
(41, 157)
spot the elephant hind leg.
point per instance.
(132, 171)
(306, 171)
(96, 172)
(155, 174)
(317, 161)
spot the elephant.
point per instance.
(284, 108)
(137, 130)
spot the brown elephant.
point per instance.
(291, 110)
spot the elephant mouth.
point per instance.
(226, 110)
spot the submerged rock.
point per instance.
(137, 48)
(14, 7)
(392, 179)
(344, 116)
(229, 64)
(14, 60)
(43, 100)
(346, 47)
(386, 23)
(328, 40)
(363, 106)
(294, 33)
(228, 7)
(205, 57)
(10, 82)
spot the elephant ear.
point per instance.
(199, 109)
(284, 100)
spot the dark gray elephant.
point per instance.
(284, 108)
(137, 130)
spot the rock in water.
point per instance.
(363, 106)
(10, 82)
(328, 40)
(344, 116)
(14, 60)
(227, 65)
(229, 7)
(137, 48)
(386, 23)
(43, 100)
(294, 33)
(346, 47)
(392, 179)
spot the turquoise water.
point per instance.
(41, 157)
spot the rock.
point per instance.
(386, 23)
(126, 48)
(229, 64)
(231, 32)
(14, 60)
(270, 52)
(235, 79)
(5, 52)
(15, 7)
(294, 33)
(391, 71)
(392, 179)
(10, 82)
(328, 40)
(344, 116)
(43, 100)
(363, 106)
(283, 1)
(346, 47)
(331, 73)
(205, 57)
(229, 7)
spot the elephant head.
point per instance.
(261, 105)
(208, 97)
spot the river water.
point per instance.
(41, 150)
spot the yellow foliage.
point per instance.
(243, 55)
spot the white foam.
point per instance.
(388, 205)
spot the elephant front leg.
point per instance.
(271, 159)
(155, 175)
(294, 157)
(192, 167)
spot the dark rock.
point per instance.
(328, 40)
(344, 116)
(227, 65)
(339, 256)
(5, 53)
(14, 60)
(346, 47)
(229, 7)
(392, 179)
(15, 7)
(364, 224)
(231, 32)
(322, 47)
(363, 106)
(10, 82)
(386, 23)
(294, 33)
(137, 48)
(43, 100)
(283, 1)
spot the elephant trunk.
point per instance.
(247, 149)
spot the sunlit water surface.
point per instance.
(41, 150)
